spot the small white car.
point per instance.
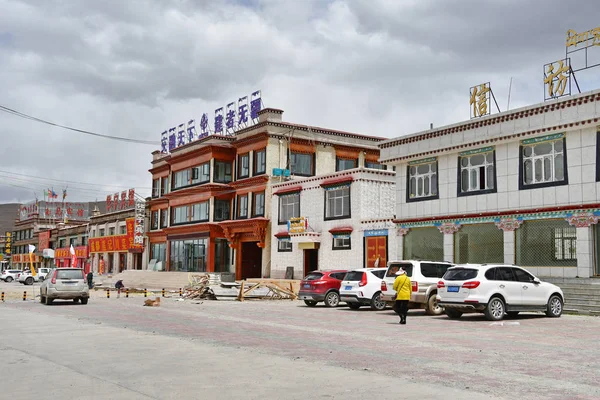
(362, 287)
(26, 278)
(496, 290)
(10, 275)
(424, 276)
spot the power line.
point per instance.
(123, 139)
(68, 182)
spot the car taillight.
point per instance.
(383, 286)
(363, 281)
(471, 285)
(54, 278)
(415, 286)
(441, 284)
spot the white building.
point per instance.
(517, 187)
(340, 220)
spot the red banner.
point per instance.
(65, 253)
(117, 243)
(43, 240)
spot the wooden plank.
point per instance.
(241, 295)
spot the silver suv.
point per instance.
(424, 276)
(65, 284)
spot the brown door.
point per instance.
(251, 260)
(122, 262)
(311, 260)
(376, 249)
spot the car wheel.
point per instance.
(555, 307)
(42, 298)
(310, 303)
(332, 299)
(433, 308)
(512, 314)
(377, 303)
(354, 306)
(29, 281)
(8, 279)
(84, 300)
(48, 300)
(76, 300)
(494, 311)
(453, 314)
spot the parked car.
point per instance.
(320, 286)
(10, 275)
(497, 290)
(424, 276)
(64, 284)
(26, 278)
(362, 287)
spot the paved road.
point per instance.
(115, 348)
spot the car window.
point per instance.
(313, 276)
(338, 275)
(505, 274)
(353, 276)
(460, 274)
(490, 274)
(393, 268)
(379, 274)
(430, 270)
(521, 275)
(69, 274)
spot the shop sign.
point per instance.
(80, 252)
(54, 210)
(227, 121)
(115, 243)
(8, 245)
(140, 216)
(43, 240)
(376, 232)
(125, 201)
(298, 225)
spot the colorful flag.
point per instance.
(64, 194)
(73, 257)
(31, 250)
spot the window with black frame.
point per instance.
(243, 166)
(337, 202)
(422, 180)
(164, 185)
(242, 206)
(342, 164)
(155, 187)
(284, 244)
(543, 162)
(164, 217)
(155, 219)
(222, 171)
(374, 165)
(222, 210)
(289, 207)
(258, 204)
(477, 172)
(201, 174)
(341, 242)
(260, 162)
(302, 164)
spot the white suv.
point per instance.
(497, 290)
(26, 278)
(362, 287)
(424, 276)
(10, 275)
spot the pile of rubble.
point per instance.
(199, 288)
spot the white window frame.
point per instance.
(474, 172)
(426, 179)
(342, 242)
(291, 204)
(337, 196)
(284, 245)
(542, 158)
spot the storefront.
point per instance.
(64, 259)
(114, 253)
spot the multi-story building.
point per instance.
(340, 220)
(63, 238)
(522, 186)
(209, 210)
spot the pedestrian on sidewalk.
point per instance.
(90, 280)
(403, 288)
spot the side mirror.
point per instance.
(536, 281)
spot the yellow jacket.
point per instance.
(403, 287)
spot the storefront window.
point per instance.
(222, 210)
(188, 255)
(222, 172)
(424, 244)
(546, 243)
(478, 244)
(221, 255)
(158, 251)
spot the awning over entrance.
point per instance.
(253, 229)
(306, 237)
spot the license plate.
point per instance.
(348, 288)
(453, 289)
(307, 286)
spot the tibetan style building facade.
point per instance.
(211, 201)
(520, 187)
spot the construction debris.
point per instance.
(274, 291)
(199, 288)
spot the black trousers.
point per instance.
(401, 307)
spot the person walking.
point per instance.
(90, 279)
(403, 288)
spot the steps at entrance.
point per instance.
(151, 280)
(581, 295)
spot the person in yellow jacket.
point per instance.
(403, 288)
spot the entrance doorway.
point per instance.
(376, 251)
(111, 263)
(311, 260)
(251, 260)
(122, 262)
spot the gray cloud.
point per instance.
(138, 67)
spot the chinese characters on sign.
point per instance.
(8, 243)
(590, 38)
(227, 121)
(556, 79)
(127, 201)
(140, 215)
(115, 243)
(298, 225)
(44, 240)
(480, 100)
(54, 210)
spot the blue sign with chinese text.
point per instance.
(376, 232)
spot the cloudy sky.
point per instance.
(135, 68)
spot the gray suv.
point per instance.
(64, 284)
